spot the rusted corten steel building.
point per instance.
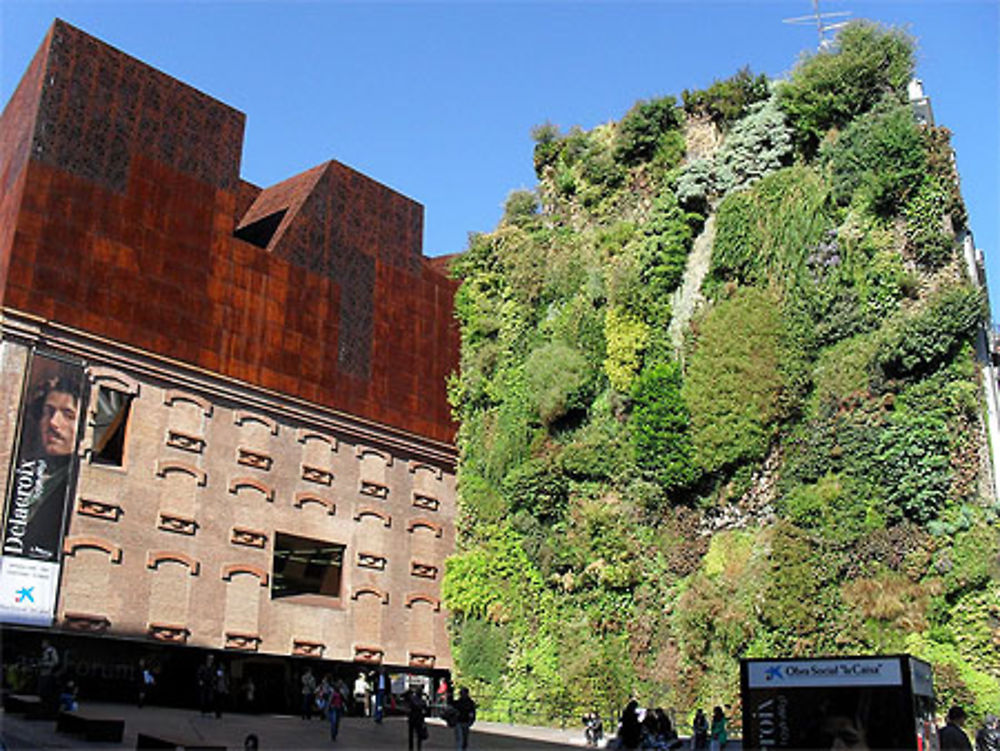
(253, 381)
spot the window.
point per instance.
(110, 424)
(306, 567)
(260, 232)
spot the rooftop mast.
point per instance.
(823, 23)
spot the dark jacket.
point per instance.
(952, 736)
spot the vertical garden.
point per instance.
(718, 398)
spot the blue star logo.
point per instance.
(773, 673)
(25, 593)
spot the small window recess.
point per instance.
(260, 232)
(304, 566)
(110, 427)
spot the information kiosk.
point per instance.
(838, 703)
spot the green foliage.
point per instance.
(808, 481)
(757, 145)
(733, 380)
(481, 649)
(660, 427)
(661, 250)
(645, 129)
(831, 87)
(842, 371)
(955, 680)
(835, 505)
(546, 137)
(521, 207)
(793, 595)
(626, 336)
(726, 101)
(764, 234)
(490, 581)
(879, 160)
(917, 344)
(558, 377)
(927, 237)
(913, 460)
(536, 487)
(973, 562)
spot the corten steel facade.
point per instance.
(283, 352)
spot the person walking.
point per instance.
(718, 733)
(206, 684)
(48, 689)
(951, 736)
(629, 727)
(465, 717)
(381, 683)
(988, 737)
(699, 727)
(308, 681)
(221, 683)
(416, 719)
(145, 683)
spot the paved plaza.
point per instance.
(275, 732)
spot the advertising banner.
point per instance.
(42, 480)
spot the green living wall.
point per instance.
(721, 401)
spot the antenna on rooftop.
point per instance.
(823, 22)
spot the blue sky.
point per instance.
(437, 99)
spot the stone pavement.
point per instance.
(276, 732)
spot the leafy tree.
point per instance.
(833, 86)
(643, 129)
(728, 100)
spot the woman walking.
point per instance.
(719, 736)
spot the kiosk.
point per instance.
(838, 703)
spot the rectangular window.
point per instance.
(303, 566)
(110, 425)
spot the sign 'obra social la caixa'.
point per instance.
(857, 702)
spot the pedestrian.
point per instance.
(145, 683)
(249, 690)
(416, 722)
(206, 684)
(361, 695)
(68, 698)
(251, 742)
(465, 718)
(988, 737)
(221, 689)
(718, 735)
(629, 726)
(48, 691)
(593, 729)
(699, 735)
(666, 728)
(381, 682)
(951, 736)
(334, 708)
(308, 693)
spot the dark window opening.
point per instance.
(110, 426)
(306, 567)
(259, 233)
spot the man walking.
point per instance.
(465, 716)
(951, 736)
